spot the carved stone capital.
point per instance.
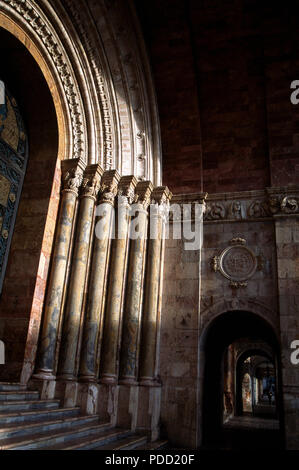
(126, 188)
(161, 195)
(72, 174)
(91, 181)
(109, 186)
(143, 193)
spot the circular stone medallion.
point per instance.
(237, 263)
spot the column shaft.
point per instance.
(133, 301)
(116, 283)
(150, 320)
(72, 178)
(74, 301)
(99, 267)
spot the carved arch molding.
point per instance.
(95, 54)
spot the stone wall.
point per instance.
(270, 292)
(287, 246)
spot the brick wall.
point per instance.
(222, 71)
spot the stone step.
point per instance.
(18, 395)
(23, 430)
(26, 417)
(49, 439)
(105, 437)
(8, 387)
(157, 445)
(130, 443)
(29, 405)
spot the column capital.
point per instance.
(109, 186)
(91, 181)
(143, 192)
(161, 195)
(72, 174)
(126, 187)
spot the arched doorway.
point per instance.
(34, 122)
(261, 368)
(220, 401)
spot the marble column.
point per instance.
(72, 175)
(113, 310)
(92, 333)
(151, 312)
(134, 289)
(74, 301)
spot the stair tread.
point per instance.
(125, 442)
(27, 402)
(12, 383)
(76, 443)
(153, 445)
(19, 426)
(36, 412)
(19, 392)
(43, 436)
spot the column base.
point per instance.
(107, 405)
(89, 397)
(149, 382)
(127, 409)
(149, 408)
(44, 374)
(108, 379)
(67, 391)
(91, 379)
(46, 388)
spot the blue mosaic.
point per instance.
(13, 161)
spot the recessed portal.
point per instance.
(241, 395)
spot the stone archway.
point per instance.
(29, 252)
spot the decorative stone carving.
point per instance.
(143, 193)
(236, 263)
(236, 210)
(72, 174)
(103, 92)
(215, 211)
(127, 188)
(109, 187)
(91, 181)
(37, 21)
(289, 205)
(258, 209)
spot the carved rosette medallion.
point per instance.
(236, 262)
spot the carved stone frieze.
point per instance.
(252, 205)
